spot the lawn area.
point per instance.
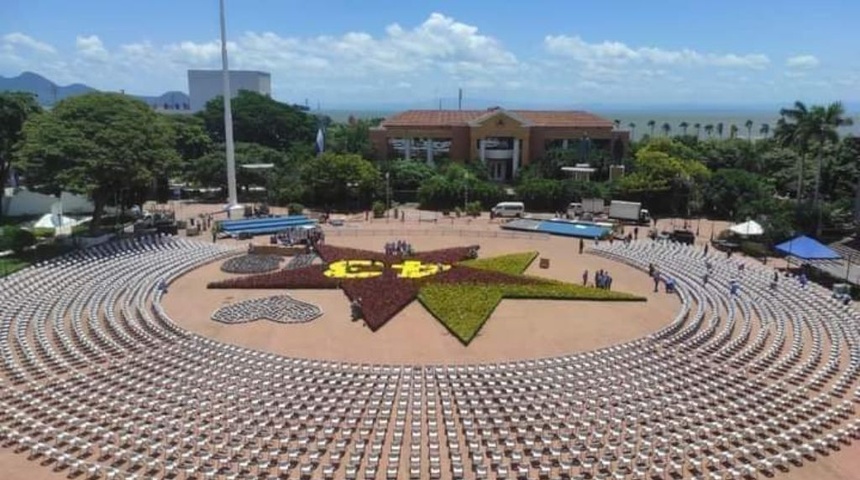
(464, 308)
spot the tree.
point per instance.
(698, 127)
(632, 130)
(666, 129)
(100, 144)
(749, 125)
(260, 119)
(720, 129)
(728, 190)
(351, 137)
(616, 123)
(15, 109)
(764, 129)
(812, 128)
(343, 180)
(190, 138)
(210, 170)
(709, 130)
(684, 125)
(651, 125)
(733, 131)
(408, 175)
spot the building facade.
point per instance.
(204, 85)
(504, 140)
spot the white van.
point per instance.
(508, 209)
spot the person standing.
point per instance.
(656, 281)
(581, 245)
(635, 233)
(706, 249)
(585, 278)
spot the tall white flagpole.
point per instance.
(228, 119)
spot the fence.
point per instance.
(441, 232)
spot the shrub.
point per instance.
(379, 209)
(16, 239)
(43, 233)
(473, 209)
(295, 208)
(754, 249)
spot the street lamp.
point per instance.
(466, 191)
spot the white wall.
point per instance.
(27, 203)
(204, 85)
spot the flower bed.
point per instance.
(513, 264)
(381, 297)
(311, 277)
(464, 308)
(461, 275)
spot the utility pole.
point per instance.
(233, 200)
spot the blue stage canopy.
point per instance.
(807, 248)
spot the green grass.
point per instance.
(12, 263)
(464, 309)
(513, 263)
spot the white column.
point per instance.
(233, 199)
(483, 151)
(407, 143)
(429, 151)
(564, 144)
(515, 162)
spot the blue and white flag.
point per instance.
(320, 144)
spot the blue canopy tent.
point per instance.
(806, 248)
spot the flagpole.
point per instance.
(230, 153)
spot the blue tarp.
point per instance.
(807, 248)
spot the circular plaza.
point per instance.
(120, 362)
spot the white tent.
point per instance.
(749, 228)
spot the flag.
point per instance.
(320, 144)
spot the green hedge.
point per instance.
(754, 249)
(16, 239)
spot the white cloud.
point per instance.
(802, 61)
(91, 47)
(17, 39)
(427, 60)
(619, 54)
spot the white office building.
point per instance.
(204, 85)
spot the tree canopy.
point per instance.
(260, 119)
(15, 109)
(346, 180)
(99, 144)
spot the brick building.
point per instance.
(505, 140)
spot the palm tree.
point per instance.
(651, 124)
(698, 127)
(616, 123)
(684, 125)
(666, 129)
(733, 131)
(764, 129)
(812, 127)
(749, 125)
(720, 129)
(709, 130)
(632, 130)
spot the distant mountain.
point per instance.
(49, 93)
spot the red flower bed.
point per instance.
(482, 277)
(381, 297)
(301, 278)
(448, 256)
(331, 254)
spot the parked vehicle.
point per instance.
(592, 206)
(575, 210)
(629, 212)
(508, 209)
(683, 236)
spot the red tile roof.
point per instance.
(540, 118)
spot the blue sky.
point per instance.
(541, 52)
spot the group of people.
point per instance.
(668, 282)
(399, 248)
(296, 235)
(602, 279)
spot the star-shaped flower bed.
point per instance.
(461, 293)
